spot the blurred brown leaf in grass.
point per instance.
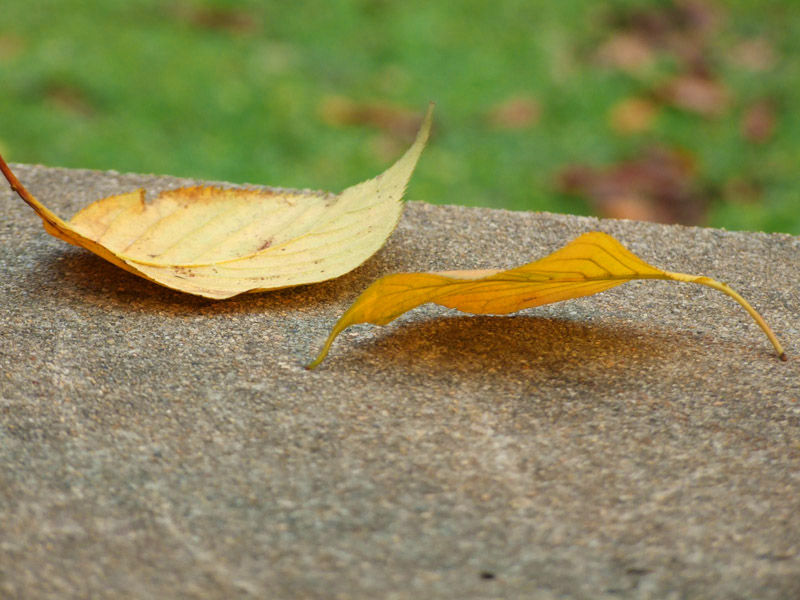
(633, 115)
(396, 121)
(682, 28)
(629, 52)
(660, 186)
(756, 54)
(699, 94)
(227, 19)
(743, 190)
(69, 98)
(517, 112)
(759, 121)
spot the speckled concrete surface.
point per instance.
(643, 443)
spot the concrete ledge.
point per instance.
(640, 443)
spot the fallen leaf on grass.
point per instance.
(218, 243)
(633, 115)
(660, 184)
(698, 94)
(591, 263)
(518, 112)
(757, 54)
(391, 119)
(228, 19)
(69, 98)
(684, 28)
(626, 51)
(759, 121)
(741, 189)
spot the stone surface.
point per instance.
(642, 443)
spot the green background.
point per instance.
(236, 91)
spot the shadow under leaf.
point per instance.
(522, 343)
(74, 272)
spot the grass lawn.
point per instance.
(323, 95)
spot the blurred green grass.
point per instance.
(234, 91)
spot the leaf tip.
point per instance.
(424, 131)
(322, 353)
(783, 357)
(313, 364)
(16, 186)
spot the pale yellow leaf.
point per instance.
(591, 263)
(218, 243)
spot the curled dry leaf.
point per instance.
(591, 263)
(218, 243)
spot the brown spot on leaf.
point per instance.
(265, 245)
(184, 272)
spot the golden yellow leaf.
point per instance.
(591, 263)
(218, 243)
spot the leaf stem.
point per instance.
(16, 186)
(340, 326)
(49, 217)
(729, 291)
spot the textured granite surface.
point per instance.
(642, 443)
